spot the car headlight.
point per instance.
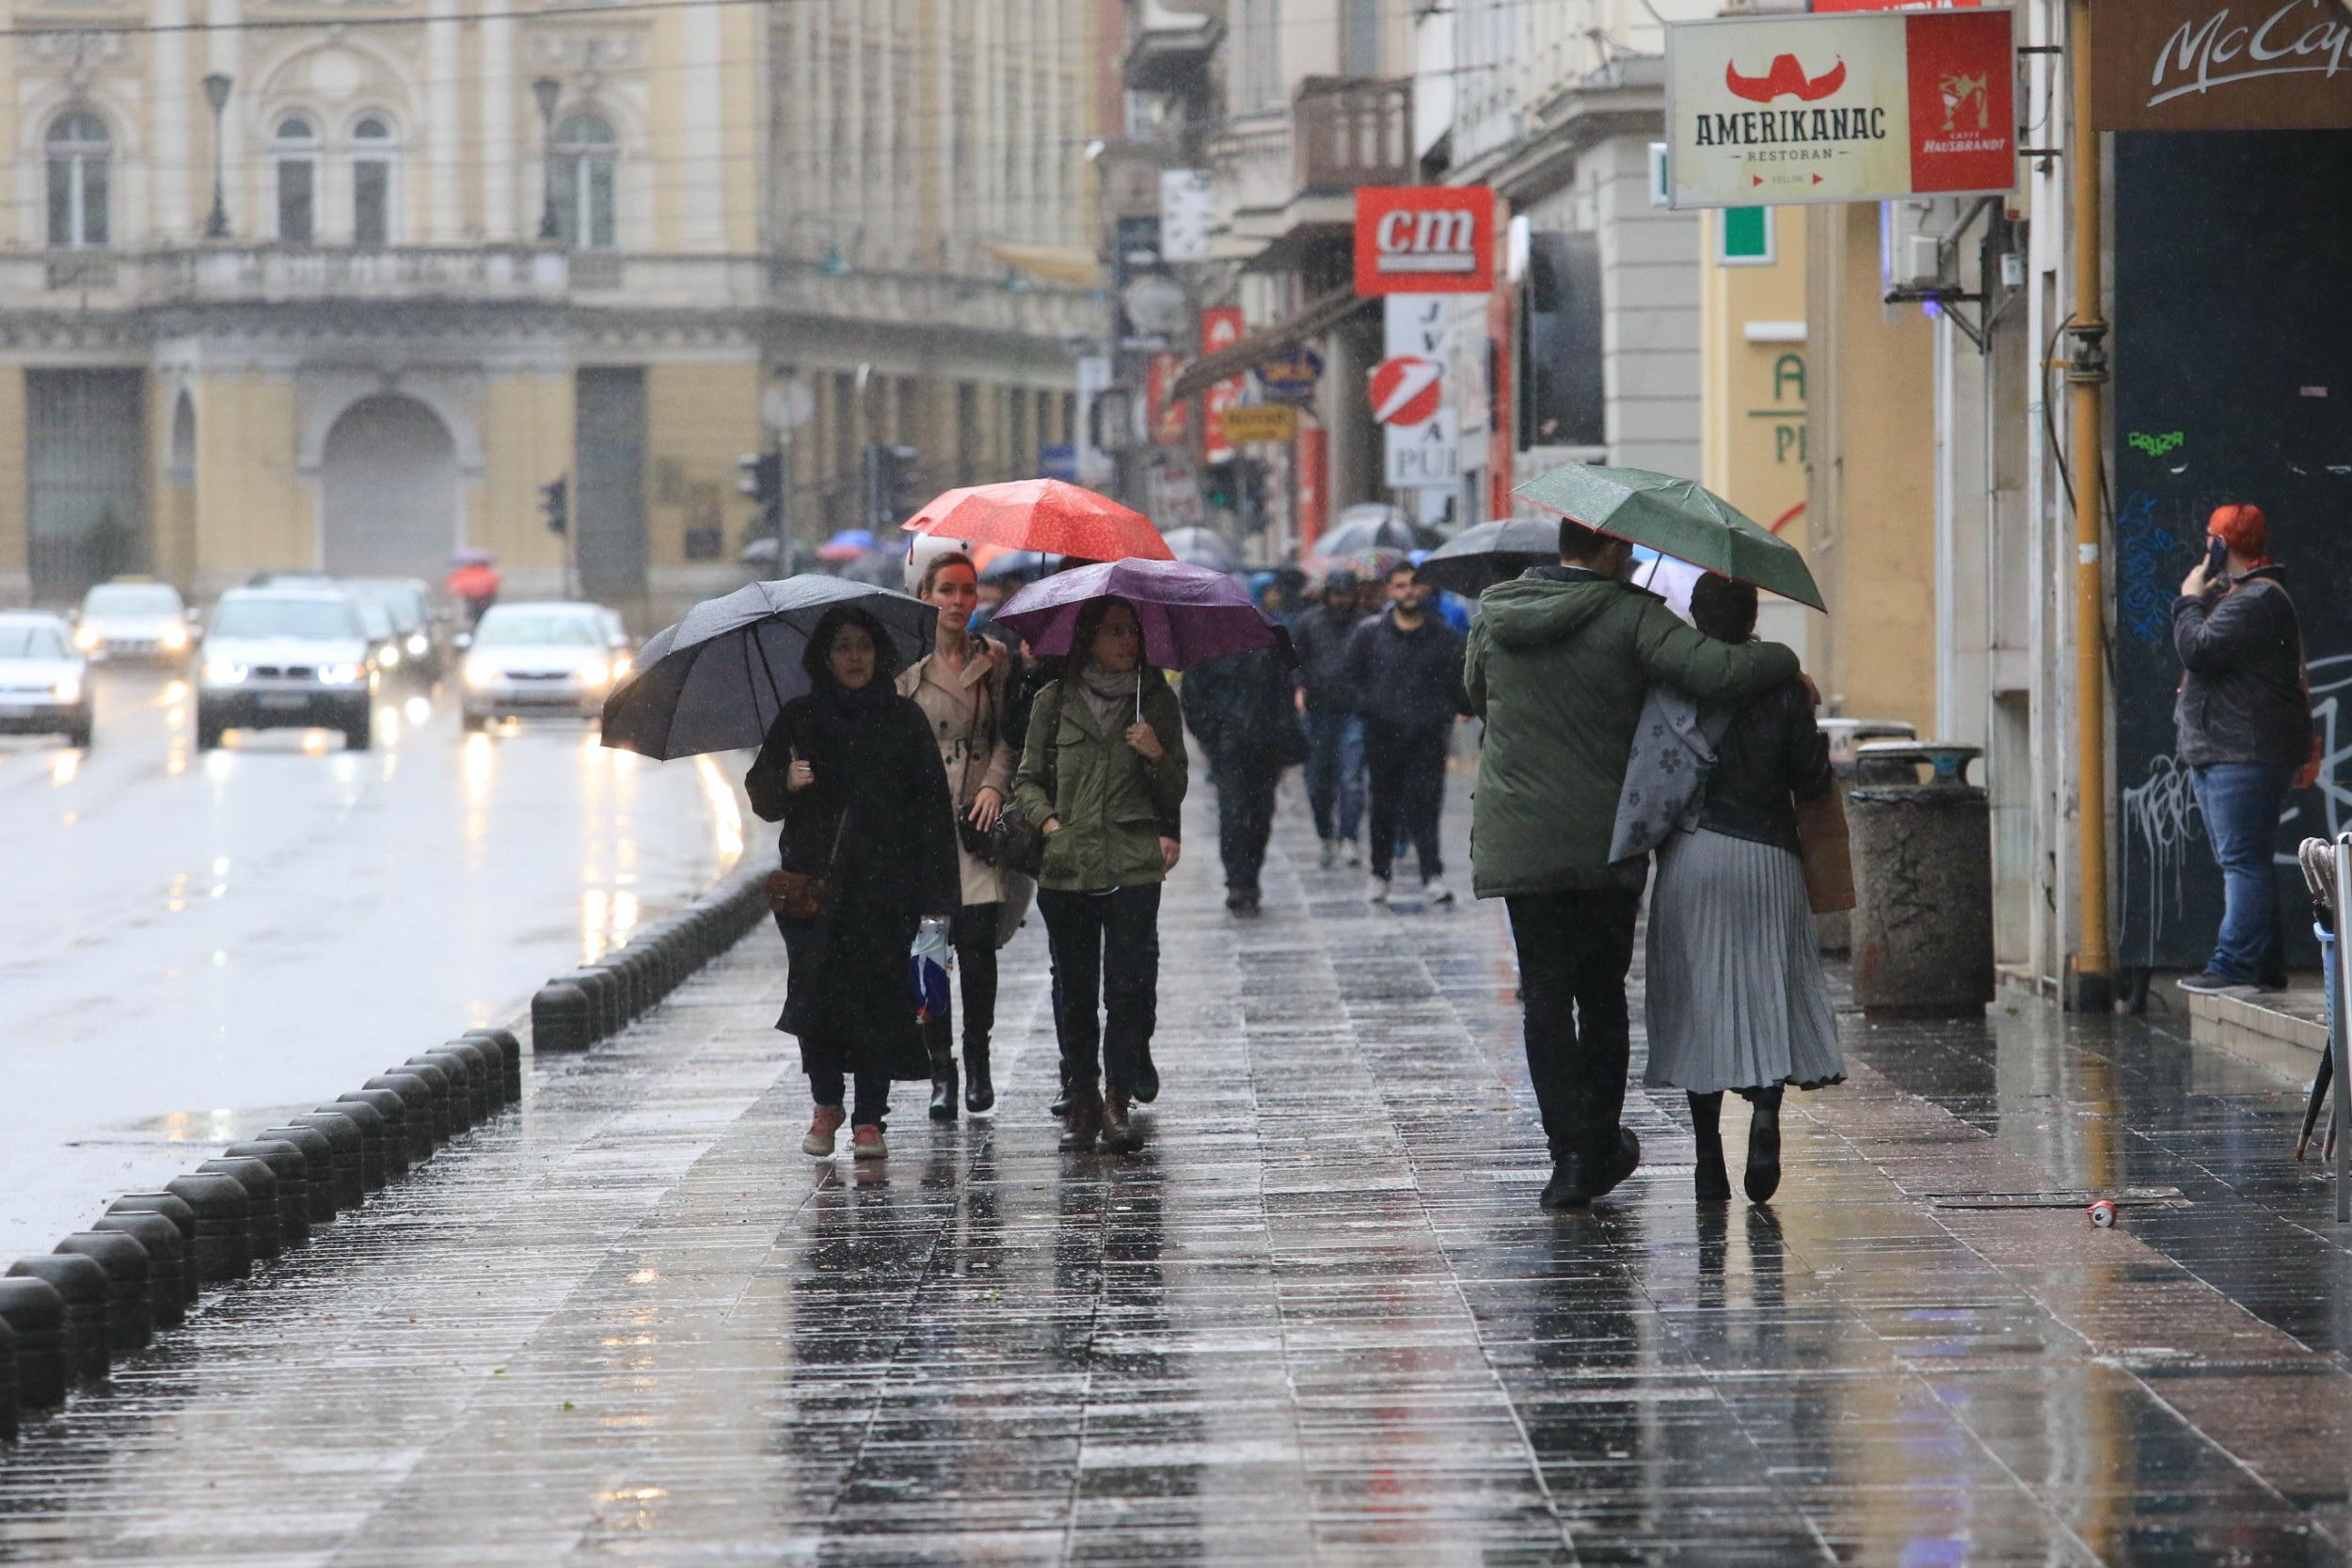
(222, 672)
(340, 675)
(417, 644)
(175, 638)
(68, 690)
(85, 638)
(622, 666)
(594, 672)
(389, 658)
(479, 672)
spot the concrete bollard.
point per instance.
(7, 1383)
(416, 1098)
(130, 1307)
(437, 1094)
(485, 1075)
(285, 1162)
(390, 1114)
(224, 1223)
(34, 1313)
(510, 1050)
(348, 1151)
(83, 1284)
(260, 1186)
(457, 1084)
(167, 1297)
(1923, 876)
(318, 1160)
(561, 1017)
(181, 1217)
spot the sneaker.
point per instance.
(865, 1142)
(821, 1129)
(1329, 855)
(1376, 890)
(2210, 984)
(1434, 891)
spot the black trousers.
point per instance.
(1244, 820)
(973, 935)
(825, 1087)
(1574, 949)
(1407, 768)
(1106, 947)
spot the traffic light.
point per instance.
(555, 504)
(762, 480)
(889, 485)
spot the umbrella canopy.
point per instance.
(1017, 567)
(1366, 564)
(470, 555)
(716, 680)
(1676, 517)
(848, 545)
(1477, 558)
(1189, 614)
(1043, 514)
(1383, 529)
(1201, 546)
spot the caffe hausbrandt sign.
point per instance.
(2221, 65)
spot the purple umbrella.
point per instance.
(1189, 614)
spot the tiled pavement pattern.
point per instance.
(1320, 1319)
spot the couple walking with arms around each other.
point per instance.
(1559, 665)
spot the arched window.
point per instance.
(587, 156)
(81, 160)
(373, 155)
(295, 147)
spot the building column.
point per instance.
(502, 220)
(701, 179)
(445, 196)
(174, 215)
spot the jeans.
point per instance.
(1244, 820)
(973, 935)
(2240, 802)
(1106, 946)
(1408, 791)
(1335, 774)
(1574, 949)
(873, 1095)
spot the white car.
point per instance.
(286, 658)
(553, 656)
(132, 620)
(45, 685)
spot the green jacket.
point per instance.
(1558, 668)
(1109, 800)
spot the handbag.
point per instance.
(1826, 851)
(801, 895)
(1020, 843)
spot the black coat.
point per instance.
(1245, 712)
(1409, 679)
(1320, 636)
(2242, 697)
(881, 796)
(1770, 755)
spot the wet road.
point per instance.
(192, 943)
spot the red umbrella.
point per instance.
(1043, 514)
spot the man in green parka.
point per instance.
(1558, 664)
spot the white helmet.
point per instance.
(922, 550)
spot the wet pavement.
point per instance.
(1319, 1319)
(196, 944)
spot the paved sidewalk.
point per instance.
(1320, 1319)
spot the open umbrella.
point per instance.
(1362, 529)
(1477, 558)
(1041, 515)
(1203, 547)
(848, 545)
(1679, 518)
(1189, 614)
(470, 555)
(1017, 567)
(716, 680)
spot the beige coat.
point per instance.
(966, 713)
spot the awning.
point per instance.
(1067, 265)
(1312, 320)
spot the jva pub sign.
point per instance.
(2221, 65)
(1854, 108)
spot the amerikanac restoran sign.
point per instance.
(1859, 107)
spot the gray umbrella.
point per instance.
(1201, 546)
(1477, 558)
(716, 680)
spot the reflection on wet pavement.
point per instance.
(1319, 1319)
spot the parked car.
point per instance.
(624, 647)
(553, 657)
(410, 603)
(44, 684)
(133, 618)
(286, 658)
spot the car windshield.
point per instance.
(546, 629)
(130, 598)
(318, 619)
(28, 639)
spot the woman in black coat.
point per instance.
(853, 772)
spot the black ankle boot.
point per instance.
(1764, 1146)
(1712, 1182)
(943, 1092)
(980, 1089)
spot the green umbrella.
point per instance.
(1675, 517)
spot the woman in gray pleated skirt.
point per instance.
(1736, 995)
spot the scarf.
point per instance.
(1112, 697)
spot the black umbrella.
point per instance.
(716, 680)
(1477, 558)
(1201, 546)
(1372, 529)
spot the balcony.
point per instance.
(1168, 49)
(1286, 179)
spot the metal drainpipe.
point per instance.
(2086, 380)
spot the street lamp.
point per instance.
(216, 93)
(544, 92)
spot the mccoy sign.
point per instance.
(1858, 107)
(2221, 65)
(1424, 239)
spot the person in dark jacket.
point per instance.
(1405, 667)
(1245, 712)
(1335, 732)
(2243, 719)
(853, 772)
(1736, 997)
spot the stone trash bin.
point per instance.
(1923, 876)
(1844, 735)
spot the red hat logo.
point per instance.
(1787, 79)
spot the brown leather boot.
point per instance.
(1119, 1134)
(1083, 1121)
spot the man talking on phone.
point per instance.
(2243, 719)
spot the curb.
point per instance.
(68, 1316)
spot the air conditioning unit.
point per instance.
(1915, 259)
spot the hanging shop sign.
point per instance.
(1246, 422)
(1164, 417)
(1291, 376)
(2221, 65)
(1220, 328)
(1424, 239)
(1862, 108)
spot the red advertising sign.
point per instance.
(1963, 129)
(1406, 390)
(1220, 328)
(1164, 417)
(1424, 239)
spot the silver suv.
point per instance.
(285, 659)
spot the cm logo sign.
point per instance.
(1424, 239)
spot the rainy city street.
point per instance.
(196, 944)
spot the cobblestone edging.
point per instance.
(103, 1293)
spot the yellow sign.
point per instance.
(1260, 421)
